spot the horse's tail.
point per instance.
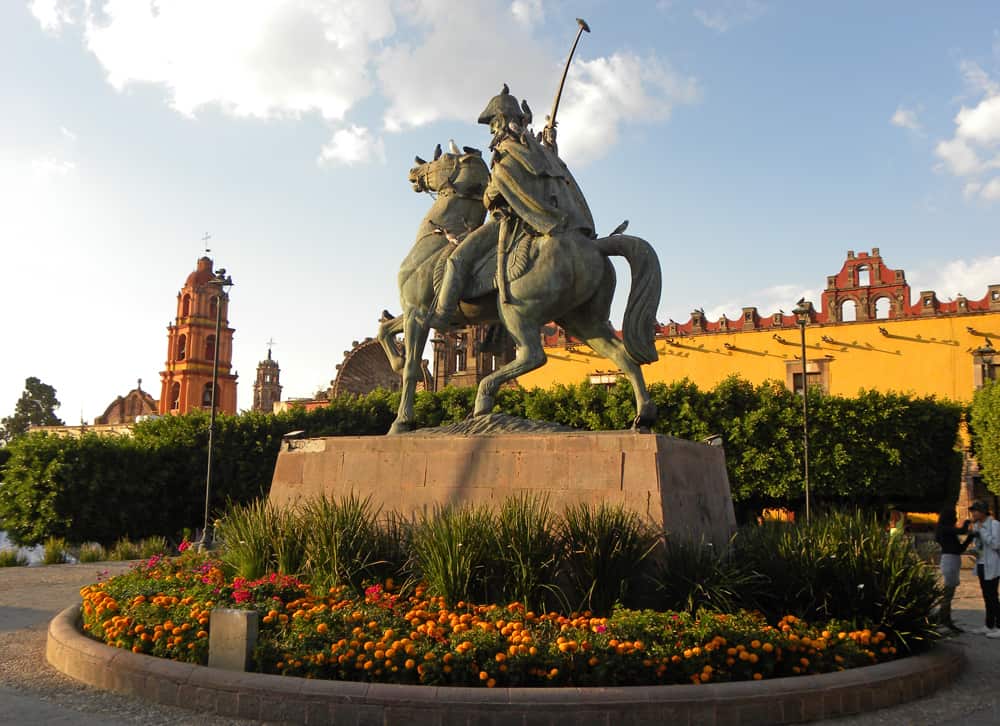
(639, 326)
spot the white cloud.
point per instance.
(354, 145)
(728, 14)
(905, 118)
(966, 277)
(286, 58)
(606, 93)
(49, 167)
(67, 134)
(252, 59)
(768, 301)
(528, 12)
(52, 15)
(974, 150)
(991, 191)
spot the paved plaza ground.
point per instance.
(33, 693)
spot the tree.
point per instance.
(36, 407)
(985, 427)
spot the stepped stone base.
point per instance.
(679, 485)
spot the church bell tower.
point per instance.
(202, 308)
(267, 387)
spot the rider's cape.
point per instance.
(538, 187)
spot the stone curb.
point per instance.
(344, 703)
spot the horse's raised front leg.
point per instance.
(529, 356)
(601, 337)
(387, 331)
(414, 338)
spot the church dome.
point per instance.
(202, 275)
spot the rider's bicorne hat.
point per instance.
(504, 105)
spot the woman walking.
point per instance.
(946, 534)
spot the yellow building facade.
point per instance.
(866, 335)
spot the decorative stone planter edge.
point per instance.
(304, 701)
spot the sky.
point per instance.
(752, 142)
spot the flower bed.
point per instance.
(162, 608)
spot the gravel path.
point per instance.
(31, 692)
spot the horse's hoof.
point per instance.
(400, 427)
(483, 407)
(645, 419)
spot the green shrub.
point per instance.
(605, 552)
(247, 534)
(10, 557)
(692, 576)
(150, 546)
(452, 548)
(985, 426)
(842, 565)
(124, 549)
(92, 552)
(54, 551)
(526, 551)
(339, 537)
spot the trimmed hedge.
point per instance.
(985, 427)
(874, 450)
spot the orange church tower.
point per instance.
(191, 346)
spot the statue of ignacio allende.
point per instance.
(536, 259)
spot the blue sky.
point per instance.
(752, 142)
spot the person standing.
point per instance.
(985, 533)
(946, 534)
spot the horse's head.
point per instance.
(464, 174)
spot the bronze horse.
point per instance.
(567, 279)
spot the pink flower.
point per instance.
(600, 629)
(185, 545)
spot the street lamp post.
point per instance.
(221, 282)
(801, 312)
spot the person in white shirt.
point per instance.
(985, 534)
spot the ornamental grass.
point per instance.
(10, 557)
(162, 607)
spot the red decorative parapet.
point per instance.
(865, 289)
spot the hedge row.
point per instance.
(873, 450)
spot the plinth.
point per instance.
(676, 484)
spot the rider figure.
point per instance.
(530, 186)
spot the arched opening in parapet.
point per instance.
(849, 311)
(882, 306)
(864, 276)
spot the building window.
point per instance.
(604, 378)
(175, 396)
(210, 347)
(882, 306)
(213, 306)
(817, 374)
(814, 379)
(206, 396)
(186, 306)
(181, 347)
(864, 276)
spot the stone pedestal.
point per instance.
(232, 636)
(679, 485)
